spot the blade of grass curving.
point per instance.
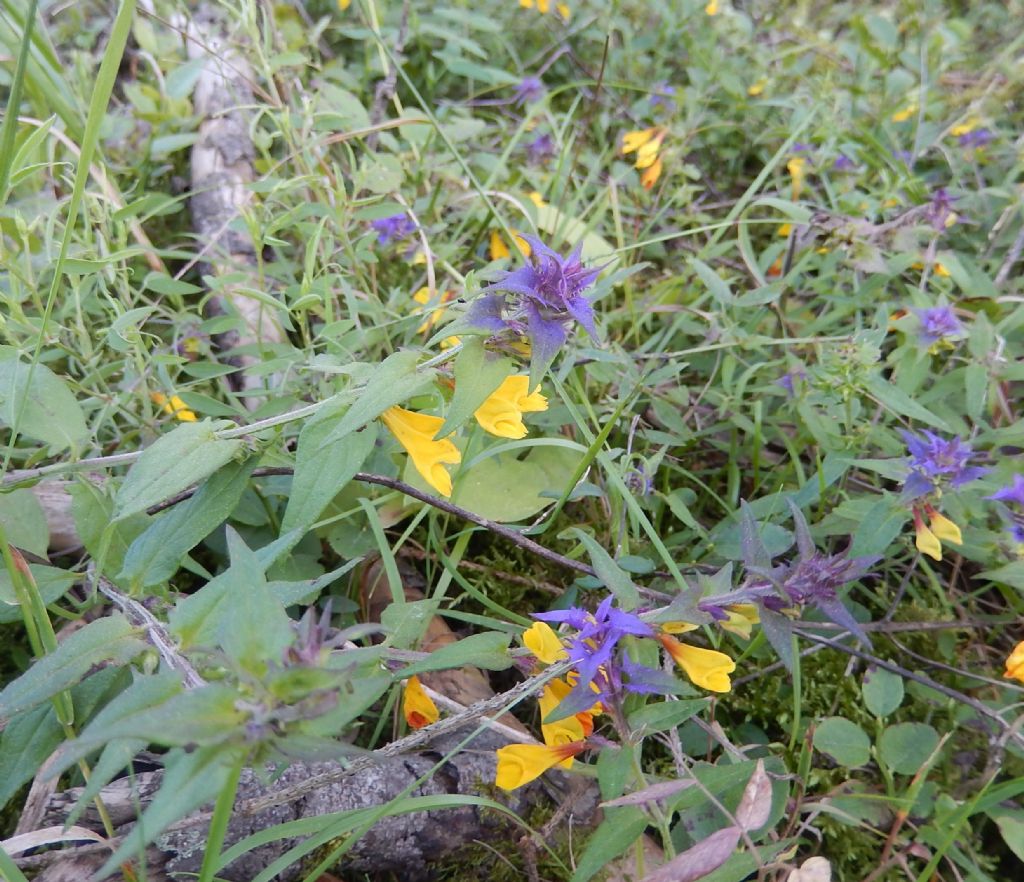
(10, 123)
(105, 79)
(9, 870)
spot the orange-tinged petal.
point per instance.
(706, 668)
(519, 764)
(417, 706)
(650, 175)
(415, 432)
(541, 639)
(1015, 663)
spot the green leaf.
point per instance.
(615, 579)
(975, 389)
(40, 406)
(181, 458)
(155, 555)
(53, 583)
(882, 523)
(506, 489)
(846, 742)
(191, 779)
(395, 380)
(895, 400)
(24, 522)
(716, 286)
(488, 650)
(26, 742)
(883, 691)
(905, 747)
(407, 622)
(109, 640)
(1011, 574)
(620, 828)
(666, 715)
(322, 469)
(477, 375)
(93, 513)
(1012, 831)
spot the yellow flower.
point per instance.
(650, 175)
(905, 114)
(541, 639)
(633, 141)
(344, 4)
(434, 316)
(646, 143)
(568, 729)
(502, 413)
(707, 668)
(1015, 663)
(519, 764)
(712, 8)
(563, 10)
(498, 247)
(417, 706)
(415, 432)
(944, 529)
(174, 406)
(757, 88)
(537, 199)
(964, 128)
(677, 627)
(940, 270)
(785, 230)
(927, 542)
(742, 617)
(797, 168)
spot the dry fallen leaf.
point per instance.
(815, 869)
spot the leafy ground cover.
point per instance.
(677, 347)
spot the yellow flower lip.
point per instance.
(502, 413)
(174, 406)
(707, 668)
(541, 639)
(415, 432)
(1015, 663)
(519, 764)
(417, 707)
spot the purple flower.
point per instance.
(593, 648)
(940, 212)
(663, 96)
(540, 149)
(801, 147)
(904, 155)
(788, 381)
(1016, 532)
(938, 323)
(977, 138)
(934, 461)
(1013, 492)
(843, 163)
(547, 293)
(392, 227)
(529, 90)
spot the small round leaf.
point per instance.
(883, 691)
(905, 747)
(846, 742)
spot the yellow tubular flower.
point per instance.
(541, 639)
(1015, 663)
(677, 627)
(707, 668)
(566, 730)
(502, 413)
(544, 6)
(757, 88)
(415, 432)
(797, 168)
(417, 706)
(344, 4)
(926, 541)
(650, 175)
(563, 10)
(498, 247)
(742, 617)
(174, 406)
(519, 764)
(905, 114)
(712, 8)
(434, 316)
(633, 141)
(526, 4)
(944, 529)
(963, 128)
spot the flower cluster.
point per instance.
(602, 674)
(646, 144)
(935, 464)
(939, 327)
(544, 7)
(539, 300)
